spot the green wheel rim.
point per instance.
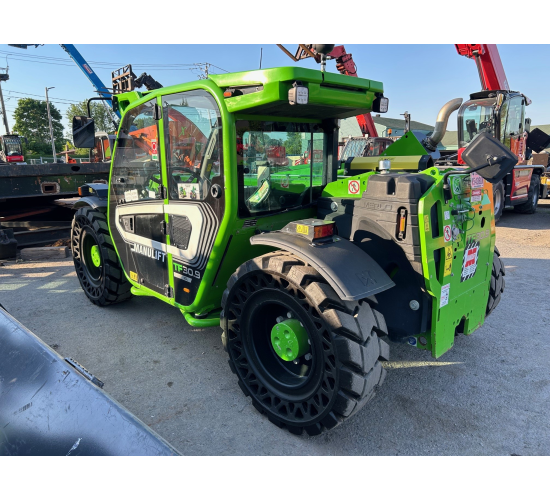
(96, 256)
(289, 339)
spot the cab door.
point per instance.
(193, 141)
(136, 201)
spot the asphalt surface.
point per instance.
(490, 395)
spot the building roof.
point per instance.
(400, 124)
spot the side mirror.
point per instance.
(83, 132)
(486, 150)
(538, 140)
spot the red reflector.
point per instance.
(227, 94)
(323, 231)
(80, 191)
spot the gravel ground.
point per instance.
(490, 395)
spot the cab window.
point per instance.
(136, 168)
(193, 144)
(477, 117)
(514, 123)
(281, 165)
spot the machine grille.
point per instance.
(180, 231)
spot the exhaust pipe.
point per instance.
(432, 141)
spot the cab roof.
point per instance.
(265, 92)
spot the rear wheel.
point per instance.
(306, 358)
(530, 206)
(498, 200)
(497, 282)
(95, 259)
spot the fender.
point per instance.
(93, 195)
(351, 272)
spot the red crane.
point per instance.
(489, 65)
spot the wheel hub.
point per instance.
(96, 256)
(289, 339)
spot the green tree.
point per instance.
(31, 121)
(102, 117)
(293, 143)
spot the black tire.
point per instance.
(497, 282)
(498, 200)
(530, 206)
(104, 284)
(344, 370)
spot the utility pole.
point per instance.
(4, 77)
(50, 120)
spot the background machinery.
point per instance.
(501, 112)
(307, 272)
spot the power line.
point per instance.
(37, 95)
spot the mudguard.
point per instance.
(351, 272)
(94, 195)
(49, 407)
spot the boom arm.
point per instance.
(346, 66)
(488, 62)
(88, 72)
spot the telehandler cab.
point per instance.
(306, 272)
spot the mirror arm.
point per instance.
(446, 185)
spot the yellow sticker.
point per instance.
(300, 228)
(448, 261)
(133, 276)
(426, 223)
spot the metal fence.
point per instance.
(44, 159)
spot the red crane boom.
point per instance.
(488, 62)
(346, 66)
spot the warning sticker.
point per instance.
(476, 180)
(448, 261)
(285, 182)
(154, 147)
(469, 263)
(447, 233)
(133, 276)
(353, 187)
(447, 214)
(457, 185)
(444, 299)
(476, 196)
(426, 223)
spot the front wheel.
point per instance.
(95, 260)
(308, 359)
(530, 206)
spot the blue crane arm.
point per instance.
(89, 72)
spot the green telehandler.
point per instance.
(309, 274)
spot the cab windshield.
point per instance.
(476, 117)
(281, 165)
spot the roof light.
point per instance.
(380, 104)
(298, 94)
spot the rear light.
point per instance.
(323, 231)
(402, 223)
(312, 229)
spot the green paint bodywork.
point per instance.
(330, 96)
(289, 339)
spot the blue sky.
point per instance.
(417, 78)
